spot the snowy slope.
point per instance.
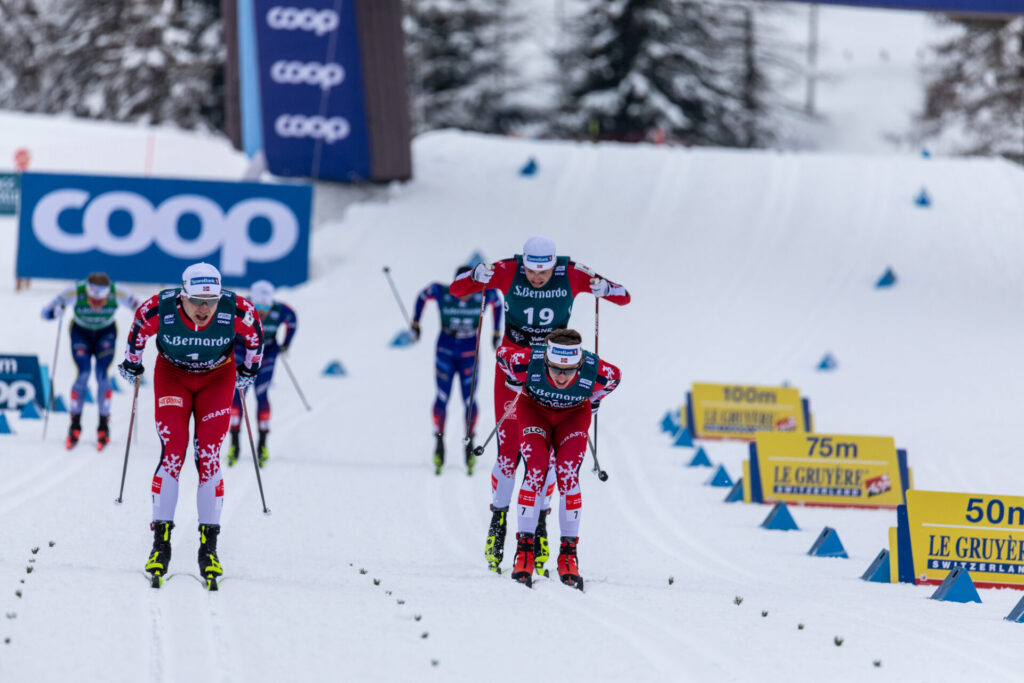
(744, 267)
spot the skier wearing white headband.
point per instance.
(560, 387)
(539, 289)
(93, 303)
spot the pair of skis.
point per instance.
(210, 583)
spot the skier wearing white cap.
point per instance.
(539, 289)
(93, 302)
(193, 379)
(562, 386)
(274, 315)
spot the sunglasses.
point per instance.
(562, 370)
(203, 300)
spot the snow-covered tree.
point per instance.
(694, 70)
(974, 97)
(153, 61)
(458, 55)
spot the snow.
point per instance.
(744, 267)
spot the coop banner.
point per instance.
(149, 230)
(962, 6)
(828, 469)
(21, 382)
(8, 194)
(729, 411)
(938, 531)
(311, 89)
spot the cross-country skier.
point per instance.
(193, 379)
(539, 289)
(274, 315)
(561, 386)
(93, 303)
(456, 353)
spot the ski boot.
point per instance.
(438, 452)
(522, 570)
(262, 454)
(209, 565)
(74, 431)
(568, 570)
(232, 456)
(494, 550)
(470, 458)
(541, 551)
(103, 432)
(160, 555)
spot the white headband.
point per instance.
(95, 291)
(564, 354)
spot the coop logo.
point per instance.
(319, 22)
(330, 130)
(226, 232)
(307, 73)
(14, 395)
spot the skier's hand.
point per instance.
(496, 338)
(130, 371)
(514, 386)
(599, 286)
(483, 273)
(246, 376)
(52, 313)
(415, 331)
(594, 405)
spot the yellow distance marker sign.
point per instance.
(828, 469)
(939, 531)
(734, 411)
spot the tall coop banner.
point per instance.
(827, 469)
(311, 89)
(730, 411)
(937, 531)
(150, 230)
(954, 6)
(21, 382)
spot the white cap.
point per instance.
(564, 354)
(201, 279)
(539, 253)
(261, 294)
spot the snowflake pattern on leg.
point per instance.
(534, 479)
(568, 478)
(209, 463)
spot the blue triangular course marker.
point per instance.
(780, 519)
(922, 199)
(115, 386)
(1017, 613)
(888, 279)
(683, 438)
(669, 424)
(735, 494)
(530, 168)
(59, 406)
(29, 411)
(4, 427)
(878, 571)
(926, 154)
(828, 362)
(828, 545)
(700, 459)
(403, 338)
(335, 368)
(957, 587)
(720, 478)
(88, 396)
(475, 259)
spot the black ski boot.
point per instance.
(74, 431)
(438, 452)
(262, 454)
(209, 565)
(233, 448)
(470, 458)
(494, 550)
(103, 432)
(542, 549)
(160, 555)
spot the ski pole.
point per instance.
(53, 371)
(128, 441)
(476, 359)
(601, 474)
(295, 382)
(479, 450)
(394, 290)
(252, 446)
(593, 446)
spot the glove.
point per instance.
(599, 286)
(496, 339)
(284, 349)
(246, 376)
(483, 273)
(415, 331)
(130, 371)
(51, 313)
(594, 405)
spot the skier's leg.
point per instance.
(211, 411)
(104, 350)
(263, 404)
(444, 374)
(173, 399)
(81, 353)
(535, 447)
(504, 470)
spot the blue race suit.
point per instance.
(279, 316)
